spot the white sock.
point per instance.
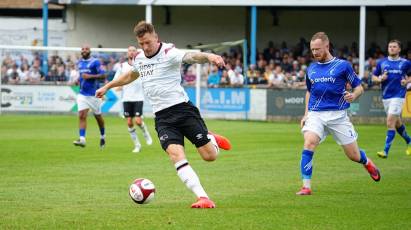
(143, 127)
(82, 138)
(133, 135)
(190, 178)
(103, 136)
(214, 142)
(307, 183)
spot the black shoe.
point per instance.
(102, 143)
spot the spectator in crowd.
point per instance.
(237, 79)
(73, 74)
(253, 75)
(277, 79)
(61, 74)
(291, 59)
(289, 80)
(35, 75)
(13, 74)
(286, 63)
(189, 77)
(225, 79)
(4, 77)
(24, 75)
(52, 73)
(300, 80)
(238, 66)
(214, 77)
(268, 72)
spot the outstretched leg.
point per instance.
(400, 127)
(187, 175)
(358, 155)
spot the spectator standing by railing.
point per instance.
(214, 77)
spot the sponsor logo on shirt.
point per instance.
(146, 70)
(322, 80)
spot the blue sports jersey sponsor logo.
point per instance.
(323, 80)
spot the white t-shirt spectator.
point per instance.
(236, 78)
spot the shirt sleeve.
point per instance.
(308, 82)
(97, 67)
(408, 69)
(176, 55)
(377, 71)
(118, 72)
(351, 76)
(135, 67)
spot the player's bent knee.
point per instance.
(139, 122)
(209, 157)
(175, 152)
(310, 144)
(82, 115)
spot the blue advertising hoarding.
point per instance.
(222, 99)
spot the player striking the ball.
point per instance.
(176, 117)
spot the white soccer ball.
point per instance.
(142, 191)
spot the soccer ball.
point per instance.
(142, 191)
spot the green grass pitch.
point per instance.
(47, 183)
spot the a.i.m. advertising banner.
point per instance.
(229, 100)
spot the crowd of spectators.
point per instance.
(27, 68)
(277, 66)
(281, 66)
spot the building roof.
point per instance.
(25, 4)
(243, 2)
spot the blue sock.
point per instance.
(401, 130)
(306, 164)
(82, 132)
(363, 157)
(102, 131)
(388, 140)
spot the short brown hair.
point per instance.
(320, 35)
(142, 28)
(395, 41)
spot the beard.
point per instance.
(85, 55)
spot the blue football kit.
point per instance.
(88, 87)
(396, 71)
(327, 83)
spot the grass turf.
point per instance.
(47, 183)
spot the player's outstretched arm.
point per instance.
(123, 79)
(94, 76)
(201, 58)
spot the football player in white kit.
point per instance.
(327, 102)
(175, 116)
(132, 97)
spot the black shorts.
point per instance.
(179, 121)
(133, 108)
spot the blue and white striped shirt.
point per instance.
(327, 83)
